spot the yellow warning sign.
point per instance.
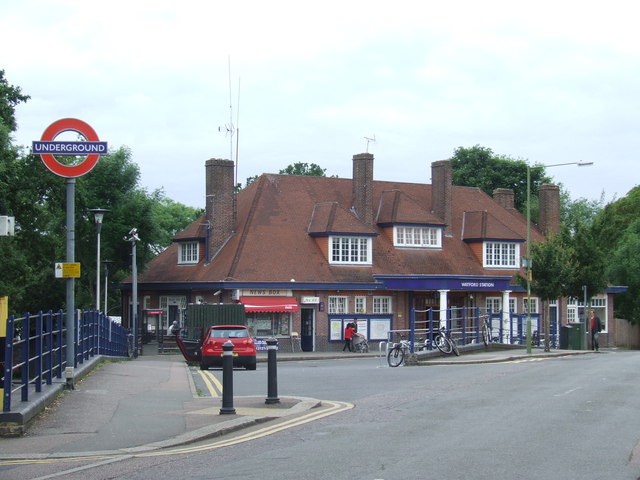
(67, 270)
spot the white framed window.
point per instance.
(338, 305)
(350, 250)
(493, 304)
(360, 304)
(534, 305)
(382, 305)
(188, 253)
(501, 254)
(417, 237)
(513, 305)
(572, 310)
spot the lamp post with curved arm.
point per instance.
(528, 263)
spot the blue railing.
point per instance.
(35, 348)
(465, 324)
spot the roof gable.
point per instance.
(396, 207)
(329, 218)
(484, 226)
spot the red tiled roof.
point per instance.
(277, 213)
(483, 225)
(398, 208)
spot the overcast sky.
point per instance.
(548, 81)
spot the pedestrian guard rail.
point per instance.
(33, 350)
(465, 325)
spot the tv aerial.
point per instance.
(369, 140)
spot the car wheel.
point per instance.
(250, 366)
(203, 367)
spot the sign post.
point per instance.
(91, 148)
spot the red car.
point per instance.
(244, 348)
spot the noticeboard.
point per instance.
(67, 270)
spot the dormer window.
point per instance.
(417, 237)
(501, 255)
(347, 250)
(188, 253)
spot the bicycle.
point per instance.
(397, 353)
(445, 342)
(487, 337)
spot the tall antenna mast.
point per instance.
(230, 129)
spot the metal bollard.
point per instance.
(272, 372)
(227, 379)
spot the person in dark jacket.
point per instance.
(596, 328)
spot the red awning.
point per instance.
(269, 304)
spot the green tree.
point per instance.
(480, 167)
(171, 218)
(616, 230)
(300, 168)
(552, 265)
(624, 269)
(37, 199)
(579, 212)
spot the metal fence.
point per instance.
(465, 325)
(35, 349)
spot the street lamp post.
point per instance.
(528, 263)
(133, 238)
(106, 284)
(98, 215)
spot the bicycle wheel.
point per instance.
(443, 343)
(454, 346)
(395, 357)
(486, 335)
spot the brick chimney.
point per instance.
(220, 206)
(362, 187)
(549, 209)
(504, 197)
(441, 192)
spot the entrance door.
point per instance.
(174, 314)
(307, 323)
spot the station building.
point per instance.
(306, 255)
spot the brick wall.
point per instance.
(441, 187)
(362, 189)
(220, 203)
(549, 214)
(504, 197)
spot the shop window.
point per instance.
(268, 324)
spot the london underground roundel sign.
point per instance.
(48, 148)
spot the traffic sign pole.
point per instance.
(47, 148)
(71, 285)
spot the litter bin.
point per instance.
(576, 336)
(564, 337)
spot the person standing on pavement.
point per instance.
(596, 328)
(348, 336)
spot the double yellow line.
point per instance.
(326, 409)
(211, 382)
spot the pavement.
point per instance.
(151, 403)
